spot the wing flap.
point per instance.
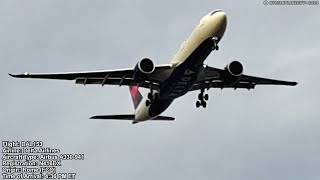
(220, 84)
(102, 81)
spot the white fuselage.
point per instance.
(212, 25)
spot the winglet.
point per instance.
(12, 75)
(292, 83)
(18, 75)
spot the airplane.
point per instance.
(186, 72)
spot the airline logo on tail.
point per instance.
(135, 95)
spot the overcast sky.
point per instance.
(266, 133)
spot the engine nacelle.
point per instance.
(234, 68)
(143, 67)
(233, 73)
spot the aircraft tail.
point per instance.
(135, 95)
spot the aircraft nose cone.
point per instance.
(218, 22)
(221, 16)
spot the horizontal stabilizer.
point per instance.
(129, 117)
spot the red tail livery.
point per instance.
(135, 95)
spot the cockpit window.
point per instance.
(217, 10)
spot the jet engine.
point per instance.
(233, 72)
(234, 68)
(143, 67)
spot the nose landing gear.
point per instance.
(215, 43)
(150, 98)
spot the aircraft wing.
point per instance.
(211, 77)
(106, 77)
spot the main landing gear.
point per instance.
(151, 97)
(202, 98)
(215, 41)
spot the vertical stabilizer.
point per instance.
(135, 95)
